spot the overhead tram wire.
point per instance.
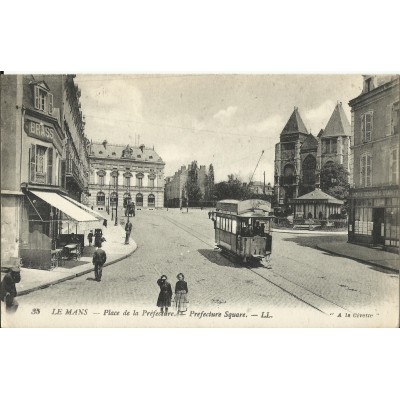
(209, 131)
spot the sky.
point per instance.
(226, 120)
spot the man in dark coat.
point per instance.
(128, 230)
(99, 258)
(8, 291)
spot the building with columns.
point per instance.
(300, 156)
(119, 173)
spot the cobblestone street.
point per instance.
(300, 278)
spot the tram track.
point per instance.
(303, 294)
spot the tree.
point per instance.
(210, 184)
(193, 192)
(335, 180)
(233, 188)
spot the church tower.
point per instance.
(288, 159)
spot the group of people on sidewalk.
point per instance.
(165, 297)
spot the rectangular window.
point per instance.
(139, 181)
(36, 95)
(394, 166)
(366, 170)
(367, 126)
(49, 166)
(101, 180)
(50, 96)
(127, 182)
(151, 183)
(234, 226)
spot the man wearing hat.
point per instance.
(8, 290)
(99, 258)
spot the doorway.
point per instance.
(378, 232)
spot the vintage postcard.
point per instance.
(188, 200)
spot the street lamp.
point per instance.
(116, 211)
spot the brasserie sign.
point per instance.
(42, 131)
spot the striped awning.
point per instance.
(61, 203)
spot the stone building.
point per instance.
(119, 173)
(258, 187)
(299, 155)
(176, 185)
(374, 197)
(40, 117)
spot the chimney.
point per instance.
(142, 147)
(105, 143)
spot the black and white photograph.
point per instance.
(199, 200)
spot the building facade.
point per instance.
(119, 174)
(176, 186)
(300, 156)
(261, 188)
(34, 163)
(374, 197)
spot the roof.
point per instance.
(295, 124)
(98, 150)
(320, 133)
(318, 196)
(311, 143)
(338, 124)
(242, 206)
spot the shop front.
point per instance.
(374, 217)
(48, 220)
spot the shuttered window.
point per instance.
(49, 166)
(367, 126)
(50, 97)
(394, 166)
(366, 170)
(32, 163)
(36, 95)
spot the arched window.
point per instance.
(127, 198)
(308, 170)
(151, 200)
(113, 198)
(289, 175)
(139, 200)
(288, 170)
(101, 199)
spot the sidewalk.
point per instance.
(308, 232)
(35, 279)
(367, 255)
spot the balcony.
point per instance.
(72, 172)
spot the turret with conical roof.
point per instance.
(338, 124)
(335, 140)
(295, 124)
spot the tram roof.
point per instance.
(250, 207)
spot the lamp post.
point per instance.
(116, 199)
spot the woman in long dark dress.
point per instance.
(181, 291)
(164, 298)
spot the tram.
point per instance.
(243, 228)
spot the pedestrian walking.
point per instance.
(99, 259)
(105, 223)
(128, 230)
(8, 291)
(165, 296)
(98, 234)
(181, 291)
(90, 237)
